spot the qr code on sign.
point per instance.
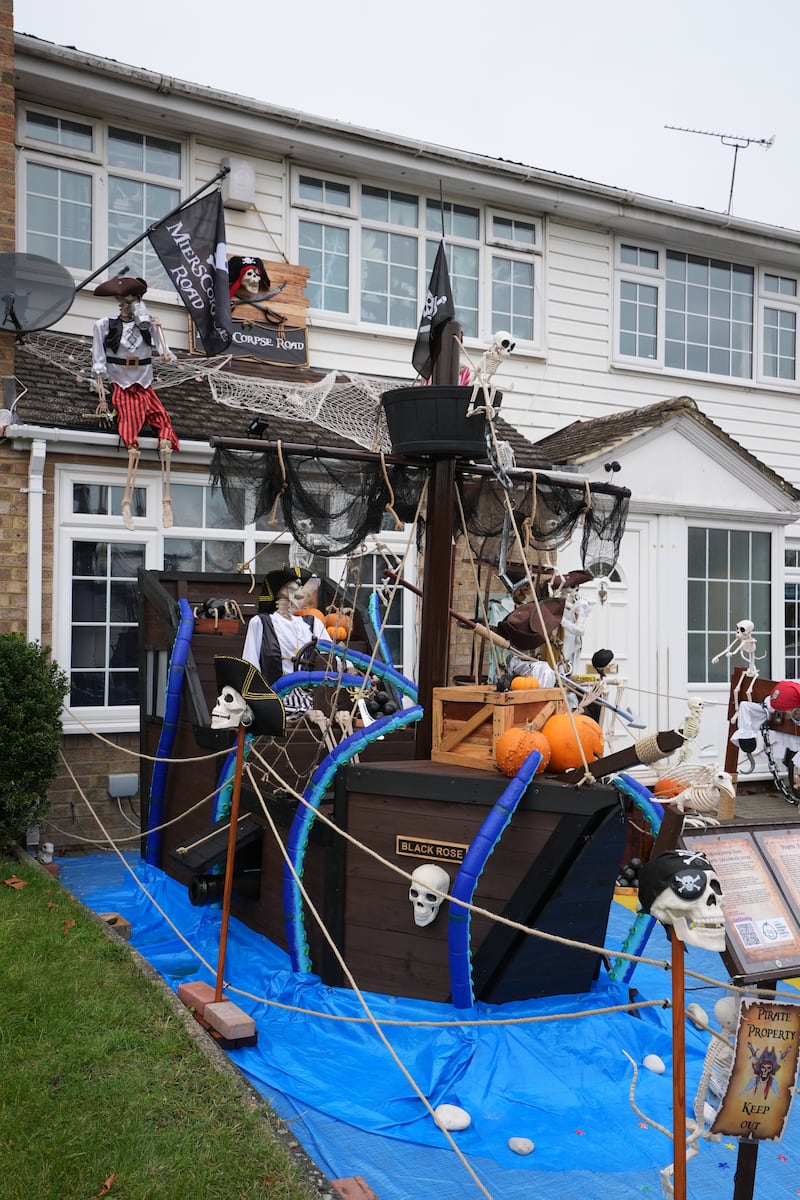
(747, 933)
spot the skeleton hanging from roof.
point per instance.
(744, 644)
(122, 351)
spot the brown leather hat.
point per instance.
(121, 285)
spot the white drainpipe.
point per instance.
(35, 490)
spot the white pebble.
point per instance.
(450, 1116)
(654, 1064)
(521, 1145)
(697, 1015)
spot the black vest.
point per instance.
(269, 660)
(114, 336)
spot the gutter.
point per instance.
(35, 490)
(97, 444)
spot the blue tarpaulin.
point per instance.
(564, 1084)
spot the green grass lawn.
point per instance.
(102, 1084)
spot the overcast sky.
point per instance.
(583, 87)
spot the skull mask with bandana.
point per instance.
(681, 889)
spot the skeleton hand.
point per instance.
(102, 405)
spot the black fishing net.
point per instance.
(328, 504)
(547, 514)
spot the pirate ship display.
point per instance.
(360, 804)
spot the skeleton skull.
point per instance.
(681, 889)
(231, 711)
(502, 343)
(425, 901)
(744, 629)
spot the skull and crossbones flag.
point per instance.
(192, 250)
(437, 310)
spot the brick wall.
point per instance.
(7, 161)
(70, 823)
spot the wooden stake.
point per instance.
(678, 1067)
(228, 886)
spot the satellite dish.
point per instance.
(35, 292)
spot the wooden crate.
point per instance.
(467, 721)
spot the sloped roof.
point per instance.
(578, 443)
(59, 394)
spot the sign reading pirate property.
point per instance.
(412, 847)
(764, 1072)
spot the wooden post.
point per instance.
(678, 1067)
(228, 886)
(436, 587)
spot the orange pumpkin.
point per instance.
(311, 612)
(338, 633)
(667, 788)
(515, 744)
(520, 682)
(565, 750)
(338, 620)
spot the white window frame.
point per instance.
(95, 165)
(656, 277)
(72, 527)
(511, 249)
(487, 248)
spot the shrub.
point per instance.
(32, 688)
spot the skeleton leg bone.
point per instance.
(165, 454)
(130, 480)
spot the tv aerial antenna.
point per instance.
(729, 139)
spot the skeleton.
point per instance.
(704, 786)
(231, 710)
(713, 1080)
(573, 624)
(128, 369)
(744, 644)
(481, 377)
(316, 716)
(689, 727)
(429, 886)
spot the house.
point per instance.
(656, 347)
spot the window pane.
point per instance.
(734, 586)
(104, 621)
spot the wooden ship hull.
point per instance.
(554, 869)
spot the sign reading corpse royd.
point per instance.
(268, 311)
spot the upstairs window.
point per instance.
(91, 188)
(684, 312)
(370, 251)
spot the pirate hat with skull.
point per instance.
(238, 264)
(681, 889)
(277, 579)
(245, 698)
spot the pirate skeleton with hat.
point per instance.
(277, 634)
(250, 285)
(245, 698)
(122, 351)
(753, 719)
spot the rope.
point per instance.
(647, 749)
(398, 524)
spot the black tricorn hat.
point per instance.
(269, 717)
(278, 578)
(121, 285)
(239, 263)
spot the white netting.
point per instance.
(348, 405)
